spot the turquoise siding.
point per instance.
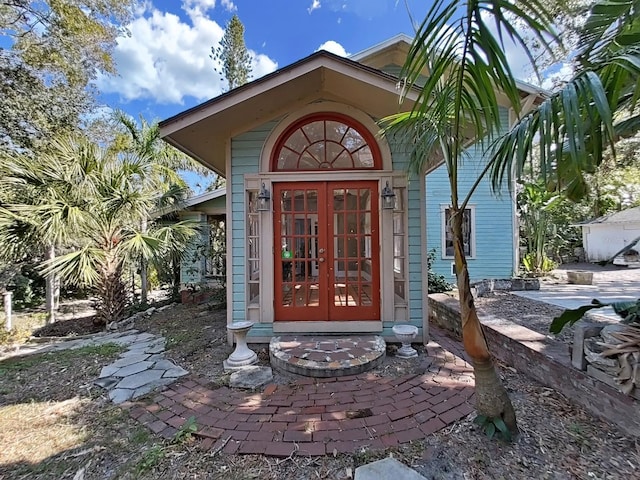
(493, 221)
(414, 231)
(245, 154)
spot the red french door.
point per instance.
(326, 251)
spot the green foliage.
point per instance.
(55, 48)
(537, 264)
(629, 312)
(150, 459)
(578, 123)
(436, 282)
(493, 427)
(186, 431)
(534, 202)
(232, 55)
(97, 204)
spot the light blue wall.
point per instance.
(493, 221)
(414, 237)
(245, 152)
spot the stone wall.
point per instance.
(545, 360)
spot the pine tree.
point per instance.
(231, 55)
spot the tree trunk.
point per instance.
(50, 286)
(111, 292)
(144, 284)
(492, 399)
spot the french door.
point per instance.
(327, 259)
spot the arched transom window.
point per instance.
(326, 142)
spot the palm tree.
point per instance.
(577, 124)
(92, 202)
(457, 64)
(164, 162)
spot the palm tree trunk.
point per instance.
(492, 399)
(144, 284)
(50, 287)
(111, 293)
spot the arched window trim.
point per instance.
(328, 116)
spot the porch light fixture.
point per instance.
(264, 197)
(388, 198)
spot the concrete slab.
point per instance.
(386, 469)
(610, 284)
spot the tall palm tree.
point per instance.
(92, 202)
(457, 63)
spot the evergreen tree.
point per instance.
(232, 55)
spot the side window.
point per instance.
(468, 233)
(253, 247)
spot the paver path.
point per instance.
(318, 416)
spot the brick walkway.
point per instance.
(317, 416)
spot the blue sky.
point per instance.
(164, 65)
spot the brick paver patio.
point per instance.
(317, 416)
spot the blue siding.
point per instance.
(245, 155)
(493, 221)
(414, 231)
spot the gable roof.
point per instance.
(630, 215)
(203, 131)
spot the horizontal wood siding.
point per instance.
(415, 272)
(245, 159)
(493, 221)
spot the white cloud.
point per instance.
(166, 59)
(314, 6)
(333, 47)
(563, 74)
(229, 5)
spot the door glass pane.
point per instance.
(299, 246)
(353, 269)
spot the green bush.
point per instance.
(436, 282)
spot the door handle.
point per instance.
(321, 250)
(321, 259)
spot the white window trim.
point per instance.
(443, 232)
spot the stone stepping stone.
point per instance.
(251, 377)
(139, 379)
(387, 469)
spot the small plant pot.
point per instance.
(580, 277)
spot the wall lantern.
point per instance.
(264, 197)
(388, 198)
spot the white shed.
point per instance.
(605, 236)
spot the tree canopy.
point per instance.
(233, 55)
(57, 48)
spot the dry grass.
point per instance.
(32, 432)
